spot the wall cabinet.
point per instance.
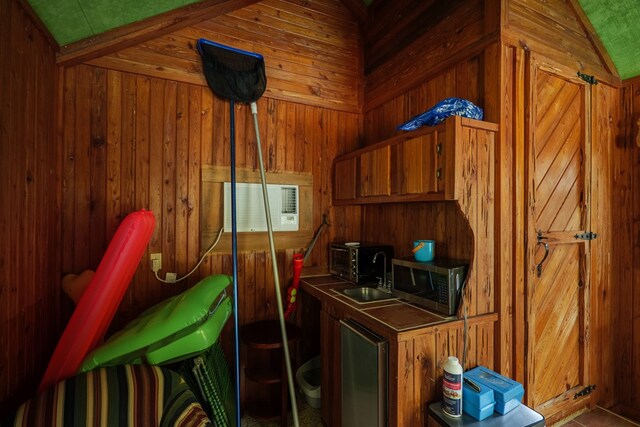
(375, 172)
(422, 165)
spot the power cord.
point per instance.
(213, 245)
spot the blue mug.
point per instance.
(424, 250)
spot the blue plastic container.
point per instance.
(507, 393)
(504, 407)
(479, 405)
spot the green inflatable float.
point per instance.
(178, 328)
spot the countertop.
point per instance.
(393, 315)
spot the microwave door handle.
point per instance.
(413, 278)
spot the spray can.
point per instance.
(452, 387)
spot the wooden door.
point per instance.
(418, 164)
(557, 288)
(375, 178)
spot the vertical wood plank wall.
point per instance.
(29, 205)
(311, 49)
(625, 277)
(140, 123)
(606, 130)
(432, 52)
(134, 142)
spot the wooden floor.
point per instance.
(309, 417)
(598, 418)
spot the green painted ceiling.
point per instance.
(617, 22)
(73, 20)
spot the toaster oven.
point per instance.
(358, 262)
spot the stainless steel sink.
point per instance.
(366, 294)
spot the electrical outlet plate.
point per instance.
(156, 261)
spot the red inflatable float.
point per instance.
(100, 300)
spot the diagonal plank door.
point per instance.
(557, 211)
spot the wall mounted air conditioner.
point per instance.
(283, 202)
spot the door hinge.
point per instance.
(589, 235)
(585, 391)
(587, 78)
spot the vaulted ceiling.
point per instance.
(617, 22)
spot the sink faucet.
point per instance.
(384, 283)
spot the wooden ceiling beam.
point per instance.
(139, 32)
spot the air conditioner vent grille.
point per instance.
(250, 216)
(289, 200)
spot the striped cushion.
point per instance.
(128, 395)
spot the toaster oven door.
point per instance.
(340, 263)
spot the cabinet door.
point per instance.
(344, 183)
(375, 177)
(331, 376)
(419, 165)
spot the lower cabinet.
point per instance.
(331, 376)
(415, 360)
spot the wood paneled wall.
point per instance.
(429, 220)
(133, 133)
(606, 127)
(561, 31)
(136, 137)
(135, 142)
(29, 204)
(392, 26)
(311, 49)
(626, 253)
(418, 53)
(464, 80)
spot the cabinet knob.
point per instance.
(438, 148)
(439, 173)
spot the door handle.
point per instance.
(546, 253)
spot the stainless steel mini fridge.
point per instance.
(363, 360)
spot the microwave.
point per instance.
(355, 261)
(435, 285)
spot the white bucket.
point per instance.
(309, 377)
